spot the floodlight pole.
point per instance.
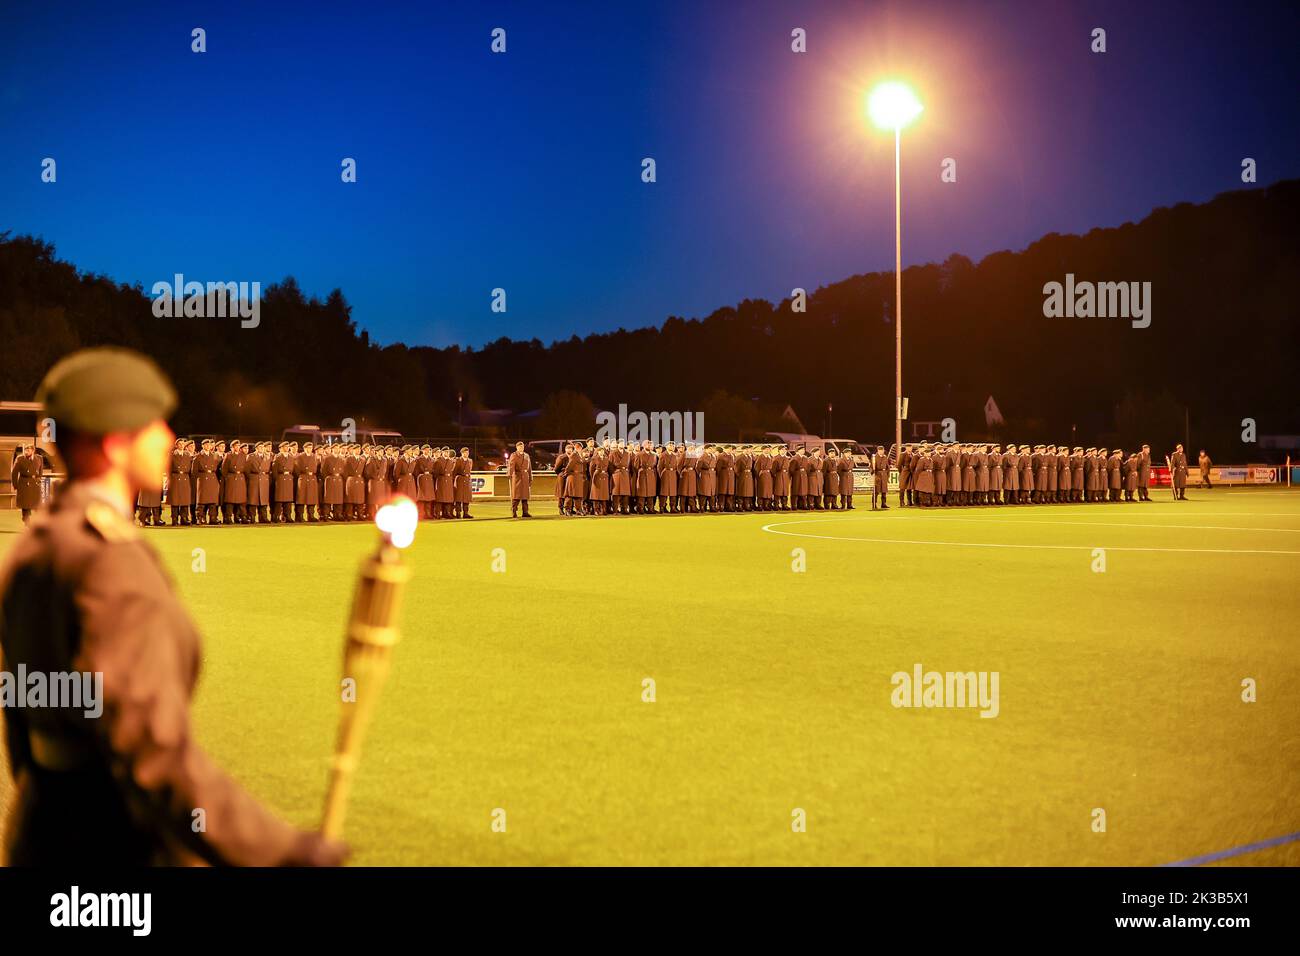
(898, 296)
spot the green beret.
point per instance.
(104, 390)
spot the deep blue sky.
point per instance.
(522, 170)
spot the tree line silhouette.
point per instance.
(1222, 346)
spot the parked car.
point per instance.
(544, 452)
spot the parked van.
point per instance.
(332, 436)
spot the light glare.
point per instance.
(397, 520)
(893, 105)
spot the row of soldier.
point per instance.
(613, 477)
(936, 475)
(211, 484)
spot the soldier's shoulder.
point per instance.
(73, 535)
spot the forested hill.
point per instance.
(1223, 342)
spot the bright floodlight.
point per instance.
(893, 105)
(397, 521)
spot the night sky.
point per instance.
(523, 170)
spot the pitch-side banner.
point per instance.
(865, 481)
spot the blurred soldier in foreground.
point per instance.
(82, 592)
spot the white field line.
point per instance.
(775, 529)
(1096, 524)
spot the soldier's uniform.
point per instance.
(179, 491)
(952, 477)
(981, 460)
(646, 479)
(306, 492)
(763, 479)
(354, 485)
(923, 477)
(81, 592)
(880, 467)
(831, 480)
(598, 482)
(1027, 469)
(781, 480)
(424, 493)
(462, 492)
(520, 470)
(939, 469)
(1144, 474)
(331, 492)
(1011, 476)
(407, 486)
(907, 460)
(846, 481)
(234, 484)
(744, 467)
(706, 479)
(257, 474)
(1064, 485)
(1178, 473)
(966, 464)
(725, 466)
(620, 478)
(377, 491)
(816, 479)
(561, 472)
(282, 485)
(26, 479)
(799, 481)
(575, 480)
(207, 491)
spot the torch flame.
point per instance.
(397, 521)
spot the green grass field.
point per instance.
(522, 690)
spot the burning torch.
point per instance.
(372, 632)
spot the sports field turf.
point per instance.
(522, 690)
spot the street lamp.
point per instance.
(893, 105)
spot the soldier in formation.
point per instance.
(933, 474)
(289, 484)
(614, 478)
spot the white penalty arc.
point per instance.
(775, 528)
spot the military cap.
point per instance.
(104, 390)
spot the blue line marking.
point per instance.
(1237, 851)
